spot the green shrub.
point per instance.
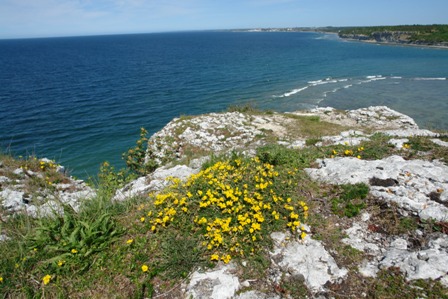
(351, 201)
(229, 208)
(136, 157)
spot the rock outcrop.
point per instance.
(413, 182)
(218, 133)
(31, 192)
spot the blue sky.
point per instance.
(44, 18)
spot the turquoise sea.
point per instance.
(82, 100)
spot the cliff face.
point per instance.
(392, 37)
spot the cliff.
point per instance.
(322, 203)
(423, 35)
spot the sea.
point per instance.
(83, 100)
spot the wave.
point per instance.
(430, 79)
(326, 81)
(292, 92)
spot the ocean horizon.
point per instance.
(82, 100)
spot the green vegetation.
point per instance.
(422, 33)
(224, 213)
(149, 244)
(136, 157)
(391, 284)
(351, 200)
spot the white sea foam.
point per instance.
(372, 78)
(348, 86)
(321, 82)
(430, 79)
(396, 77)
(292, 92)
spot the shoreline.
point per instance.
(394, 43)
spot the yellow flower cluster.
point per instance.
(230, 203)
(47, 165)
(348, 152)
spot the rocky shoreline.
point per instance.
(392, 38)
(408, 187)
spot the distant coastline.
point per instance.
(428, 36)
(433, 36)
(391, 43)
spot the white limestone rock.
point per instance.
(4, 179)
(154, 182)
(351, 138)
(440, 142)
(416, 179)
(360, 239)
(410, 133)
(12, 199)
(375, 117)
(256, 295)
(306, 258)
(219, 283)
(216, 132)
(431, 263)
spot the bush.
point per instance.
(230, 208)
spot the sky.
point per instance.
(49, 18)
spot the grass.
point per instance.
(351, 200)
(311, 127)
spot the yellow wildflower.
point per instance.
(74, 251)
(145, 268)
(142, 219)
(46, 279)
(129, 241)
(1, 279)
(214, 257)
(60, 263)
(226, 259)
